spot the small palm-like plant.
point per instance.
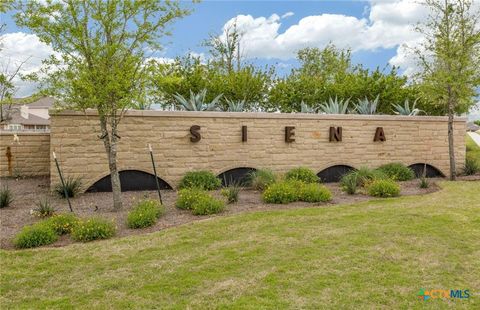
(236, 106)
(406, 109)
(196, 102)
(305, 108)
(365, 106)
(334, 106)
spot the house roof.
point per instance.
(32, 119)
(15, 115)
(40, 103)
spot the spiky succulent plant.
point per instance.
(366, 106)
(407, 109)
(235, 106)
(334, 106)
(196, 102)
(305, 108)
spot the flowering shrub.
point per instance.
(200, 179)
(145, 214)
(302, 174)
(62, 223)
(383, 188)
(314, 193)
(207, 205)
(35, 235)
(188, 196)
(199, 201)
(397, 171)
(281, 192)
(93, 229)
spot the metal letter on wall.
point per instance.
(244, 133)
(289, 134)
(335, 134)
(379, 135)
(194, 131)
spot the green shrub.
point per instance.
(397, 171)
(302, 174)
(349, 182)
(145, 214)
(72, 185)
(311, 192)
(231, 193)
(93, 229)
(35, 235)
(262, 178)
(366, 175)
(471, 166)
(477, 122)
(383, 188)
(200, 179)
(207, 205)
(43, 209)
(281, 192)
(6, 197)
(188, 196)
(62, 223)
(199, 201)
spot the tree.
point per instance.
(225, 49)
(8, 72)
(329, 73)
(7, 87)
(102, 57)
(450, 59)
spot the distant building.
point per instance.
(29, 116)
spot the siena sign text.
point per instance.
(335, 134)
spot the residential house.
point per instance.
(28, 116)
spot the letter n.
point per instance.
(379, 135)
(335, 134)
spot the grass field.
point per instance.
(473, 150)
(375, 254)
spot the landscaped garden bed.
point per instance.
(28, 192)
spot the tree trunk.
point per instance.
(451, 149)
(110, 143)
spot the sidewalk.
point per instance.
(475, 137)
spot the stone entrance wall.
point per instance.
(411, 140)
(29, 156)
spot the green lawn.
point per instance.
(376, 254)
(473, 150)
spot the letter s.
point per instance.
(194, 131)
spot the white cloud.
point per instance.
(17, 48)
(388, 24)
(288, 14)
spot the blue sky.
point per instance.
(275, 30)
(379, 32)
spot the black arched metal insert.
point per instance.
(334, 173)
(431, 171)
(239, 176)
(131, 180)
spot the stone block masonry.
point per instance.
(28, 156)
(410, 140)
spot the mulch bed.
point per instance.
(28, 191)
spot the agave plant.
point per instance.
(236, 106)
(334, 106)
(305, 108)
(406, 109)
(366, 106)
(196, 102)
